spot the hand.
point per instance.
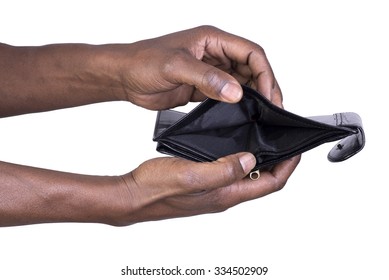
(157, 74)
(186, 66)
(164, 188)
(158, 189)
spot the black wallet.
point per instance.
(215, 129)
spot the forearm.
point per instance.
(32, 195)
(35, 79)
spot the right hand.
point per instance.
(189, 65)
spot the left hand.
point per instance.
(164, 188)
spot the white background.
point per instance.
(329, 222)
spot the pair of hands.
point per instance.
(190, 66)
(156, 74)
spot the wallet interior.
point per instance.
(215, 129)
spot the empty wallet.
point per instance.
(215, 129)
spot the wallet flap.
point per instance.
(350, 145)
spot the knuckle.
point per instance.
(231, 169)
(256, 49)
(260, 49)
(256, 54)
(207, 29)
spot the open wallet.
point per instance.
(215, 129)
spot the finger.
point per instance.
(219, 199)
(277, 95)
(216, 174)
(248, 53)
(282, 171)
(172, 176)
(268, 183)
(209, 80)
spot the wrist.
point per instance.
(99, 199)
(32, 195)
(104, 71)
(111, 200)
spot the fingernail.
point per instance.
(231, 92)
(247, 161)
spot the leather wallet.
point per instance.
(215, 129)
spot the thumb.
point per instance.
(219, 173)
(166, 176)
(211, 81)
